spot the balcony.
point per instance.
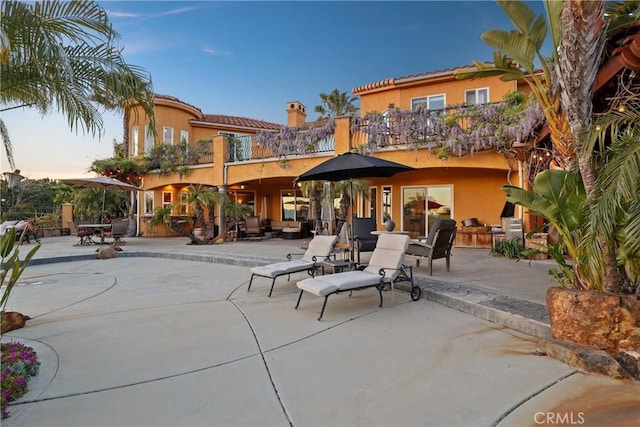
(289, 142)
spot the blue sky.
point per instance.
(249, 59)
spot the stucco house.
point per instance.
(462, 184)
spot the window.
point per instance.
(184, 203)
(184, 136)
(148, 202)
(134, 141)
(422, 205)
(167, 136)
(294, 206)
(476, 96)
(432, 102)
(386, 204)
(167, 199)
(148, 140)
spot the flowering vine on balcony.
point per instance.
(455, 131)
(300, 140)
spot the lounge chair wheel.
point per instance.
(416, 293)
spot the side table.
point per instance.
(337, 265)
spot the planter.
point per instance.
(597, 320)
(389, 225)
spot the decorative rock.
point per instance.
(12, 320)
(583, 358)
(592, 319)
(630, 362)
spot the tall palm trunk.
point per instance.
(582, 41)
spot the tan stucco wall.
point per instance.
(401, 94)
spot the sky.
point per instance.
(249, 59)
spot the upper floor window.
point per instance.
(167, 136)
(134, 141)
(476, 96)
(432, 102)
(148, 140)
(184, 136)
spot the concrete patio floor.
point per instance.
(166, 334)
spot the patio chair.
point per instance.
(385, 267)
(253, 227)
(364, 241)
(83, 235)
(319, 249)
(119, 229)
(437, 244)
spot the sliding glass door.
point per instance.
(421, 205)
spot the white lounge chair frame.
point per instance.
(319, 249)
(385, 267)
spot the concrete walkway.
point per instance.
(166, 334)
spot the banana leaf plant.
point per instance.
(560, 198)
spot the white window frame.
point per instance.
(183, 203)
(167, 135)
(184, 136)
(475, 94)
(149, 202)
(134, 141)
(427, 188)
(415, 102)
(386, 202)
(149, 140)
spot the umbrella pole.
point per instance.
(104, 194)
(350, 230)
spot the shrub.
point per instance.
(18, 363)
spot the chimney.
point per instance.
(296, 114)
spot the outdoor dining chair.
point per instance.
(119, 228)
(84, 236)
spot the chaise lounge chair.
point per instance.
(319, 249)
(385, 267)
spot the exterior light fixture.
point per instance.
(13, 178)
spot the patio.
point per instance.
(150, 341)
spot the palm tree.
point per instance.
(63, 56)
(345, 190)
(313, 190)
(336, 104)
(578, 31)
(201, 196)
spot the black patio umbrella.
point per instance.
(350, 166)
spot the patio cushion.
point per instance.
(324, 285)
(320, 247)
(283, 267)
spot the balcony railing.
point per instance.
(290, 142)
(456, 130)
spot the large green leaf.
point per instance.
(554, 10)
(514, 44)
(519, 13)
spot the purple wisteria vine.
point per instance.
(455, 131)
(299, 140)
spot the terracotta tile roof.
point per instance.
(240, 122)
(225, 120)
(174, 99)
(395, 80)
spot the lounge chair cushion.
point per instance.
(283, 267)
(319, 247)
(324, 285)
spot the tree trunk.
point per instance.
(582, 42)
